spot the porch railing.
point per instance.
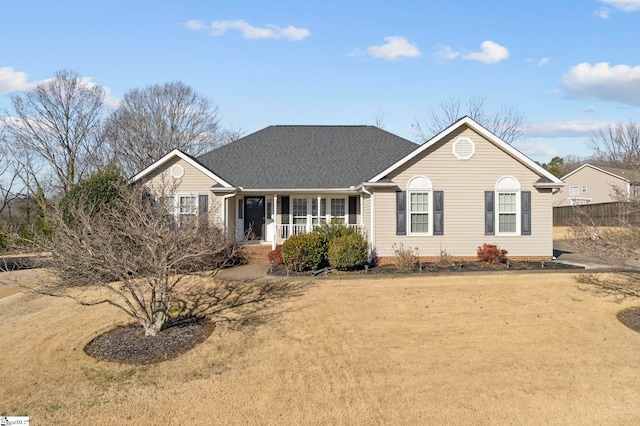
(284, 231)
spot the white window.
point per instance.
(338, 210)
(419, 193)
(187, 204)
(584, 188)
(419, 212)
(508, 206)
(573, 190)
(507, 212)
(183, 207)
(299, 211)
(318, 217)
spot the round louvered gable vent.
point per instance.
(177, 171)
(464, 148)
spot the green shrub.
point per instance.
(94, 192)
(305, 251)
(491, 254)
(348, 251)
(4, 238)
(331, 231)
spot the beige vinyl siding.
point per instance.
(599, 187)
(193, 182)
(464, 183)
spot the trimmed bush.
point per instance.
(275, 256)
(305, 251)
(491, 254)
(331, 231)
(348, 251)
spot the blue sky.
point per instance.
(569, 66)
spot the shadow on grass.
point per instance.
(621, 285)
(239, 303)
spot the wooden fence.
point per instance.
(604, 214)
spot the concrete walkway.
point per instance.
(566, 251)
(243, 272)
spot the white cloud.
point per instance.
(572, 128)
(195, 25)
(491, 53)
(16, 81)
(445, 53)
(535, 149)
(13, 81)
(543, 61)
(619, 83)
(248, 31)
(603, 12)
(624, 5)
(394, 48)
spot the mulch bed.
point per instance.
(280, 270)
(630, 318)
(129, 344)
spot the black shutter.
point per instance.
(203, 209)
(438, 212)
(353, 205)
(489, 213)
(285, 210)
(401, 213)
(525, 209)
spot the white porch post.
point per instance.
(275, 222)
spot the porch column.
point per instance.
(276, 233)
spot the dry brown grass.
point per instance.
(460, 349)
(561, 233)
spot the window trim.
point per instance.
(420, 185)
(177, 215)
(508, 185)
(571, 190)
(344, 217)
(583, 189)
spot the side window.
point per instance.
(419, 206)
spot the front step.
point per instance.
(256, 254)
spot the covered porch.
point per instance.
(270, 219)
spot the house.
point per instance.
(589, 184)
(461, 189)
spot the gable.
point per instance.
(182, 174)
(544, 178)
(447, 168)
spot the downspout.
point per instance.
(372, 239)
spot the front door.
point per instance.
(254, 217)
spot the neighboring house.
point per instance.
(590, 184)
(462, 188)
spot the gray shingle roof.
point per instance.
(281, 157)
(631, 175)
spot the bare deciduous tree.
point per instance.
(153, 121)
(507, 122)
(129, 253)
(55, 128)
(618, 145)
(9, 180)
